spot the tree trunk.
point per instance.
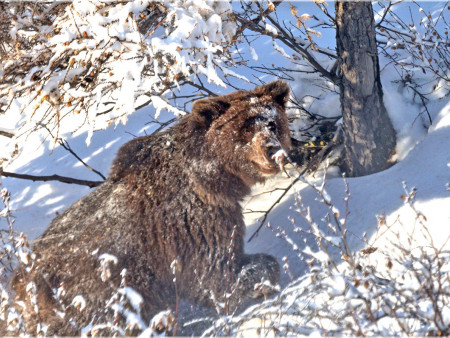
(369, 137)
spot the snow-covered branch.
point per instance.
(94, 62)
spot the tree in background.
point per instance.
(78, 67)
(369, 135)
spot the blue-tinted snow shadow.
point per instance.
(35, 204)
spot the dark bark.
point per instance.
(369, 136)
(6, 134)
(64, 179)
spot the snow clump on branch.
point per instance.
(98, 61)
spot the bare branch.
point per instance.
(291, 43)
(254, 21)
(200, 87)
(6, 134)
(384, 14)
(66, 146)
(64, 179)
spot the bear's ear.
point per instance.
(279, 90)
(205, 111)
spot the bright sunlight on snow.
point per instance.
(343, 243)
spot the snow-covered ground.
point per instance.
(36, 204)
(426, 167)
(423, 162)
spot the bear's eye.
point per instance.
(254, 120)
(272, 126)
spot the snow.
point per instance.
(279, 156)
(254, 54)
(105, 257)
(105, 43)
(425, 167)
(134, 297)
(79, 302)
(105, 262)
(422, 155)
(271, 29)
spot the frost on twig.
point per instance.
(14, 250)
(400, 289)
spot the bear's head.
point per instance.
(245, 129)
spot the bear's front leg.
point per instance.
(257, 274)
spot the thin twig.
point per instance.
(156, 26)
(384, 14)
(66, 146)
(247, 23)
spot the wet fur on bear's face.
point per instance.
(244, 129)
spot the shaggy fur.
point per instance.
(171, 195)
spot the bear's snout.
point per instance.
(271, 147)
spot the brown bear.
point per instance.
(166, 224)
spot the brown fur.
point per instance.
(170, 195)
